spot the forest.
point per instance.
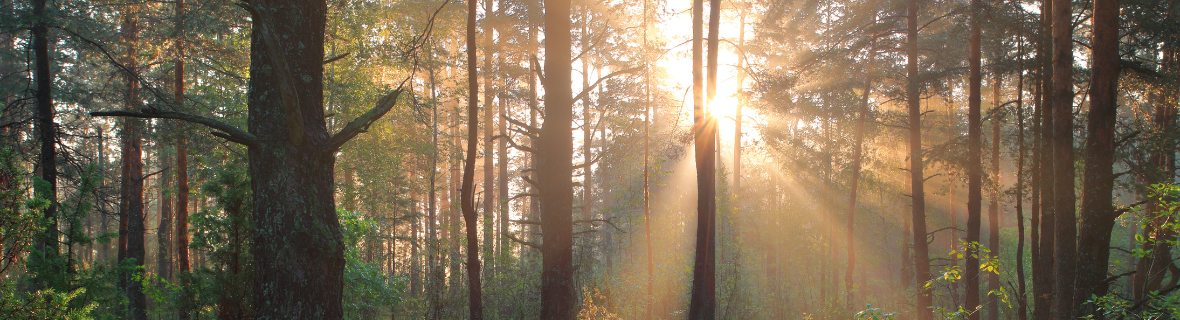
(589, 159)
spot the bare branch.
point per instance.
(526, 243)
(362, 122)
(611, 75)
(231, 133)
(531, 129)
(334, 59)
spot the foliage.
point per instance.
(41, 304)
(871, 313)
(366, 286)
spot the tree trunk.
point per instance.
(649, 304)
(182, 222)
(163, 230)
(702, 304)
(1097, 213)
(132, 220)
(433, 272)
(1043, 273)
(853, 186)
(917, 193)
(1065, 246)
(993, 206)
(555, 168)
(47, 135)
(467, 202)
(181, 215)
(1021, 292)
(298, 247)
(974, 167)
(489, 193)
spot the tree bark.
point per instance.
(489, 192)
(917, 180)
(702, 303)
(47, 135)
(163, 230)
(1097, 213)
(1065, 246)
(133, 219)
(182, 255)
(1043, 273)
(993, 206)
(467, 202)
(1021, 291)
(555, 168)
(974, 166)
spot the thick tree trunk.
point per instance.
(1065, 246)
(702, 303)
(917, 193)
(467, 202)
(297, 246)
(1043, 273)
(181, 244)
(974, 167)
(1097, 213)
(133, 219)
(555, 168)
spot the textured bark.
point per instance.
(555, 168)
(298, 247)
(917, 180)
(1097, 212)
(132, 221)
(1065, 245)
(974, 166)
(702, 303)
(1043, 272)
(467, 200)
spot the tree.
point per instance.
(702, 303)
(1097, 212)
(298, 250)
(917, 180)
(555, 167)
(474, 286)
(974, 166)
(1065, 244)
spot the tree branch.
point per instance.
(526, 243)
(230, 132)
(362, 122)
(611, 75)
(533, 131)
